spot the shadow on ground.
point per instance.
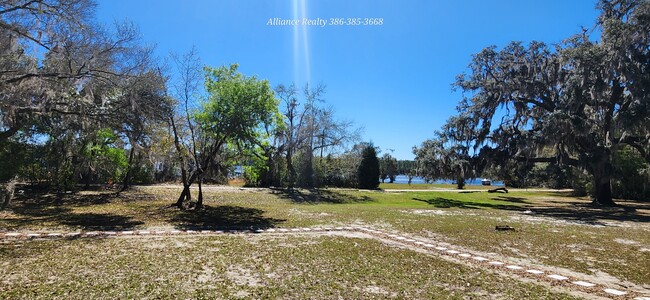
(441, 202)
(319, 196)
(33, 216)
(223, 216)
(38, 209)
(109, 211)
(577, 211)
(585, 212)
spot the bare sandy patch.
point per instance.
(437, 212)
(243, 276)
(378, 290)
(626, 242)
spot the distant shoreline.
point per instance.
(403, 179)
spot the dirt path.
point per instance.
(559, 279)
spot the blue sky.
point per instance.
(394, 80)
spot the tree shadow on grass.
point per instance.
(585, 212)
(60, 216)
(314, 196)
(582, 212)
(38, 209)
(223, 217)
(511, 199)
(99, 221)
(441, 202)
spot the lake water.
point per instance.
(420, 180)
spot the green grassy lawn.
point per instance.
(433, 186)
(552, 229)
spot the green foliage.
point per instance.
(109, 160)
(406, 167)
(255, 166)
(13, 156)
(232, 123)
(237, 108)
(388, 168)
(340, 170)
(444, 158)
(631, 175)
(368, 172)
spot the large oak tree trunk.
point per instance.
(601, 169)
(460, 181)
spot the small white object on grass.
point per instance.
(558, 277)
(583, 283)
(615, 292)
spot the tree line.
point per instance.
(82, 103)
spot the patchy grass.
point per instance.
(250, 267)
(552, 228)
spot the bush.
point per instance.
(368, 172)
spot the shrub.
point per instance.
(368, 172)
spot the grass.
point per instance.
(432, 186)
(552, 229)
(250, 267)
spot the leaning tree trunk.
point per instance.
(602, 170)
(8, 192)
(185, 194)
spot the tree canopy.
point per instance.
(233, 115)
(582, 98)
